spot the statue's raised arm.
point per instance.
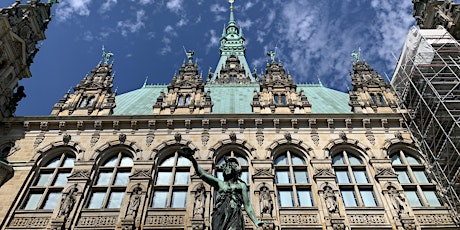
(233, 193)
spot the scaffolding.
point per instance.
(427, 82)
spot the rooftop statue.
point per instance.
(356, 55)
(233, 193)
(106, 55)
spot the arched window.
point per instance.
(90, 101)
(243, 164)
(49, 182)
(171, 184)
(276, 99)
(381, 99)
(411, 175)
(283, 99)
(83, 102)
(180, 100)
(110, 184)
(353, 180)
(374, 99)
(292, 181)
(187, 100)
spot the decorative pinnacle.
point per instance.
(232, 18)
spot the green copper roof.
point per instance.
(139, 101)
(325, 100)
(232, 99)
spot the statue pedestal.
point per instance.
(198, 224)
(128, 223)
(58, 223)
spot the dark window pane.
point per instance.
(368, 198)
(61, 179)
(43, 179)
(349, 198)
(297, 160)
(403, 178)
(360, 177)
(122, 178)
(338, 160)
(181, 178)
(32, 202)
(413, 198)
(354, 160)
(115, 199)
(285, 198)
(282, 177)
(281, 160)
(179, 198)
(164, 178)
(160, 199)
(51, 200)
(301, 177)
(432, 199)
(96, 200)
(304, 197)
(126, 161)
(342, 177)
(104, 178)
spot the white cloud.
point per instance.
(107, 5)
(175, 5)
(182, 22)
(146, 2)
(218, 8)
(213, 40)
(169, 30)
(128, 26)
(67, 9)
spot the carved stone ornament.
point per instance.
(263, 172)
(324, 173)
(141, 173)
(95, 221)
(343, 136)
(26, 222)
(398, 201)
(232, 136)
(68, 201)
(265, 202)
(268, 226)
(385, 173)
(80, 174)
(178, 137)
(331, 200)
(370, 137)
(165, 220)
(299, 219)
(149, 138)
(94, 139)
(66, 138)
(315, 138)
(134, 202)
(260, 137)
(288, 136)
(122, 137)
(205, 138)
(39, 139)
(338, 226)
(366, 219)
(199, 203)
(398, 135)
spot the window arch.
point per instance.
(171, 183)
(110, 184)
(48, 183)
(283, 99)
(244, 165)
(180, 100)
(412, 176)
(292, 180)
(188, 98)
(353, 180)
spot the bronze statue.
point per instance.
(233, 192)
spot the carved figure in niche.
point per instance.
(68, 201)
(200, 199)
(266, 202)
(397, 200)
(134, 201)
(233, 193)
(330, 199)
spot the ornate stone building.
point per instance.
(312, 157)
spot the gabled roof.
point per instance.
(233, 99)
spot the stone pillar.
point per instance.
(264, 198)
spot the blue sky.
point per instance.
(314, 39)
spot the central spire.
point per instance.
(232, 66)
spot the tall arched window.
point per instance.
(90, 101)
(171, 184)
(49, 182)
(411, 175)
(276, 99)
(353, 180)
(188, 98)
(180, 100)
(110, 184)
(283, 99)
(243, 164)
(83, 102)
(292, 181)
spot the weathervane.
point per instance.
(106, 55)
(356, 55)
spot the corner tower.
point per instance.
(232, 67)
(93, 96)
(22, 26)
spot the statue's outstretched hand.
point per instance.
(186, 152)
